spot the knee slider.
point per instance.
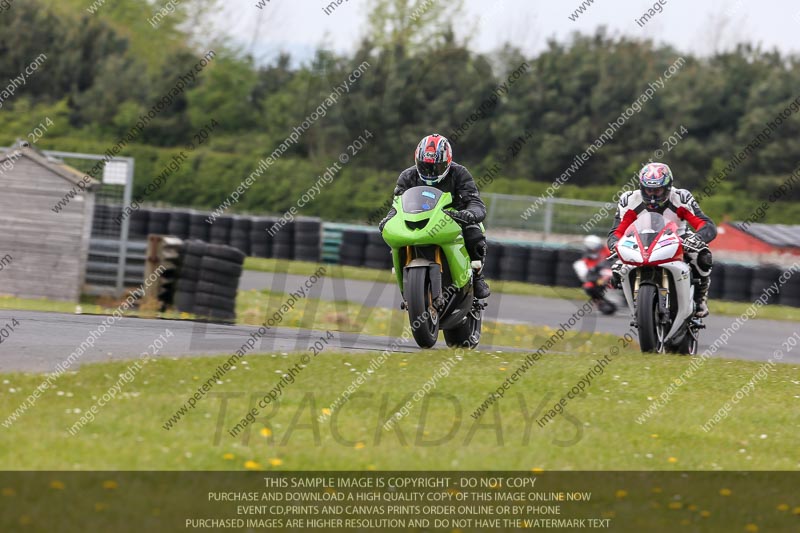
(704, 259)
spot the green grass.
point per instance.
(601, 434)
(303, 268)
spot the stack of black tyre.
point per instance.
(179, 223)
(208, 280)
(158, 222)
(377, 253)
(307, 239)
(198, 227)
(353, 247)
(137, 226)
(282, 240)
(514, 262)
(565, 273)
(790, 290)
(260, 239)
(542, 263)
(221, 230)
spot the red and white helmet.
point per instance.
(433, 158)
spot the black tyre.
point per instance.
(259, 249)
(283, 234)
(646, 313)
(354, 239)
(195, 248)
(241, 225)
(282, 250)
(191, 261)
(203, 299)
(179, 224)
(220, 266)
(189, 273)
(717, 289)
(186, 285)
(763, 278)
(307, 253)
(468, 334)
(226, 253)
(217, 278)
(200, 231)
(542, 266)
(513, 263)
(158, 223)
(737, 283)
(491, 265)
(216, 289)
(184, 301)
(565, 275)
(420, 308)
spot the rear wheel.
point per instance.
(468, 334)
(422, 316)
(646, 319)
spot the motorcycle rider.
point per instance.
(434, 166)
(589, 270)
(657, 194)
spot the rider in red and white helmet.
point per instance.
(657, 194)
(434, 166)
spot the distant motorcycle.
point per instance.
(658, 285)
(594, 271)
(433, 269)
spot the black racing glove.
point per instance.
(692, 242)
(464, 216)
(382, 223)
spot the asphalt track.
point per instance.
(42, 340)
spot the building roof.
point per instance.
(56, 166)
(782, 235)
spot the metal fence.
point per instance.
(553, 216)
(106, 268)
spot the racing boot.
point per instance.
(479, 285)
(701, 297)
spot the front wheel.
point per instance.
(650, 330)
(422, 316)
(468, 334)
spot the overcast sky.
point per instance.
(699, 26)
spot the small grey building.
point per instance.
(46, 212)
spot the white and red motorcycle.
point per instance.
(658, 285)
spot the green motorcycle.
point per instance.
(433, 269)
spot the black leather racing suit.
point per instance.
(461, 185)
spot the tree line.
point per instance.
(103, 71)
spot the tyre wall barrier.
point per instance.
(309, 239)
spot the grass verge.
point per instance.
(597, 432)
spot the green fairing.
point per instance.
(440, 230)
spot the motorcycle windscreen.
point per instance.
(648, 226)
(420, 199)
